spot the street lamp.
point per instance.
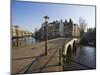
(45, 33)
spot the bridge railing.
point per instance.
(61, 54)
(63, 59)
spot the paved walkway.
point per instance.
(31, 59)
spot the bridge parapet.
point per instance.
(72, 43)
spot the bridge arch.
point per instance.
(71, 46)
(68, 54)
(74, 45)
(69, 50)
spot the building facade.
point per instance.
(17, 31)
(57, 29)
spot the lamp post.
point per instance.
(16, 27)
(45, 33)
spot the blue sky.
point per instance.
(29, 15)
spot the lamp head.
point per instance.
(16, 26)
(46, 18)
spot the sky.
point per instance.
(30, 15)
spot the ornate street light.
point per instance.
(45, 33)
(46, 18)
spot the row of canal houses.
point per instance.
(18, 32)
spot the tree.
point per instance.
(82, 25)
(90, 29)
(36, 32)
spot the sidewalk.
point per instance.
(25, 56)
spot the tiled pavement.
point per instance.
(27, 60)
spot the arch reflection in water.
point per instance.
(71, 52)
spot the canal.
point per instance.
(23, 41)
(83, 58)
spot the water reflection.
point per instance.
(69, 56)
(86, 55)
(81, 58)
(23, 41)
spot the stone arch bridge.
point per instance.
(68, 47)
(71, 45)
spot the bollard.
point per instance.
(61, 56)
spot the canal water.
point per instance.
(30, 40)
(83, 58)
(23, 41)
